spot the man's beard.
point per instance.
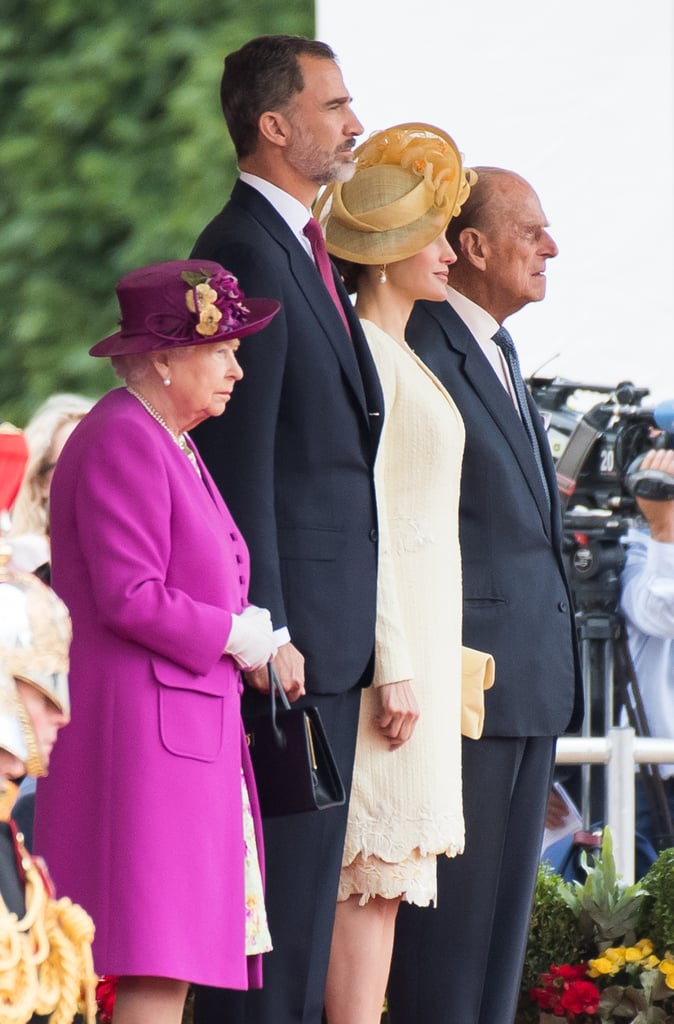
(316, 164)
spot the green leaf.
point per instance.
(192, 278)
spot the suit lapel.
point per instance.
(498, 405)
(327, 322)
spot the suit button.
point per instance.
(373, 535)
(563, 606)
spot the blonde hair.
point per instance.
(30, 510)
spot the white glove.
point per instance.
(251, 640)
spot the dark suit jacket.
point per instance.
(293, 455)
(517, 603)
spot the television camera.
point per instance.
(598, 436)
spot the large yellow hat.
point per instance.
(408, 184)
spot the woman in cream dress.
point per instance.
(386, 228)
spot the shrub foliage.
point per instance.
(114, 153)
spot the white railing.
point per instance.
(619, 751)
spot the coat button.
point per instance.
(373, 535)
(563, 606)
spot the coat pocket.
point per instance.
(191, 721)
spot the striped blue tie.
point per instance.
(507, 346)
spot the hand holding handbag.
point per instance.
(295, 769)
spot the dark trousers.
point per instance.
(650, 840)
(303, 855)
(462, 962)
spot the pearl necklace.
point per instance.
(179, 439)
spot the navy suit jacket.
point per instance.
(517, 603)
(293, 454)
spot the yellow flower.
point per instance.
(209, 319)
(602, 965)
(645, 945)
(205, 296)
(667, 968)
(611, 961)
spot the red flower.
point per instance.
(105, 997)
(570, 972)
(580, 997)
(564, 992)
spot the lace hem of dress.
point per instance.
(366, 837)
(414, 879)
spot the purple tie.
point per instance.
(312, 230)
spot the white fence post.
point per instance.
(620, 750)
(620, 799)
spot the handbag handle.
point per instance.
(274, 685)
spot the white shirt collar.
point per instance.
(483, 327)
(480, 323)
(293, 212)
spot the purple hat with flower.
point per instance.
(182, 302)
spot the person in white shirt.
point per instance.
(647, 602)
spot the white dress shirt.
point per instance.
(483, 327)
(294, 213)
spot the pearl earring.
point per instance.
(167, 382)
(382, 274)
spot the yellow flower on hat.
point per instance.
(209, 315)
(205, 296)
(209, 318)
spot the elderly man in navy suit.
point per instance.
(295, 464)
(461, 963)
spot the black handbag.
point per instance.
(295, 769)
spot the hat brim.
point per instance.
(261, 313)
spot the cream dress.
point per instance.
(405, 805)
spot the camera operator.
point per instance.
(647, 602)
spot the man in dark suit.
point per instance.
(461, 963)
(295, 464)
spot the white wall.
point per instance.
(576, 95)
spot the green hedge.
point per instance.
(113, 154)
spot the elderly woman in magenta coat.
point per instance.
(149, 817)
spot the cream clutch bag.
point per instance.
(477, 675)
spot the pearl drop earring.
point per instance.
(167, 382)
(382, 274)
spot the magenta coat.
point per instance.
(140, 819)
